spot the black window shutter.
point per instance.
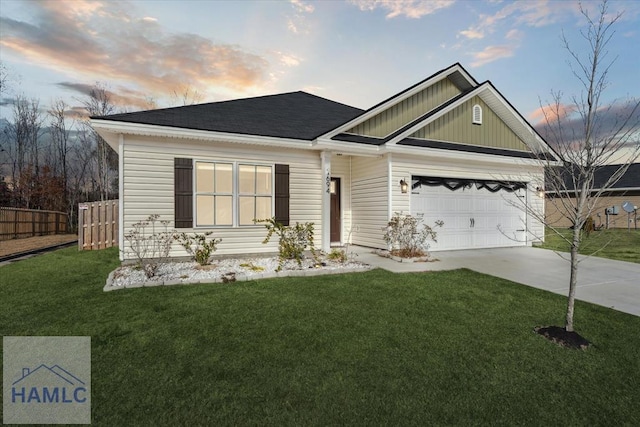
(282, 194)
(183, 192)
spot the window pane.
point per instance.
(263, 180)
(204, 177)
(263, 207)
(224, 210)
(204, 210)
(224, 178)
(247, 179)
(247, 213)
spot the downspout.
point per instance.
(121, 195)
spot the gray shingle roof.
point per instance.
(297, 115)
(631, 178)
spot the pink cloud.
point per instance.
(106, 41)
(472, 33)
(551, 113)
(492, 53)
(409, 8)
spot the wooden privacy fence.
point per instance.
(16, 223)
(97, 225)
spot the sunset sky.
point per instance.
(358, 52)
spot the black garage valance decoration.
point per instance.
(454, 184)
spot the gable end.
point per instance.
(460, 125)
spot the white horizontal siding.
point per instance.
(535, 227)
(369, 197)
(148, 187)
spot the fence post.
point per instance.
(80, 227)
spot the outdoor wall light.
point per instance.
(540, 191)
(404, 187)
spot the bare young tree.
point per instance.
(587, 135)
(99, 103)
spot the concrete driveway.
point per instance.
(614, 284)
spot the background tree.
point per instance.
(22, 147)
(185, 95)
(587, 135)
(100, 103)
(60, 127)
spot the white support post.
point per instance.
(325, 156)
(390, 184)
(121, 196)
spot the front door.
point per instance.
(336, 223)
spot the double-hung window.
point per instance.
(214, 194)
(254, 193)
(219, 202)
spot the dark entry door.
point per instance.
(336, 226)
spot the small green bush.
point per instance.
(198, 247)
(251, 266)
(338, 255)
(293, 240)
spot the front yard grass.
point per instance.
(374, 348)
(616, 244)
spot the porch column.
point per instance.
(121, 195)
(325, 156)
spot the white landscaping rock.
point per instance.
(225, 270)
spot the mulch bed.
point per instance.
(562, 337)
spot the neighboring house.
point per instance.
(627, 189)
(463, 149)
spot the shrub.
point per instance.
(338, 255)
(292, 240)
(150, 250)
(197, 246)
(405, 236)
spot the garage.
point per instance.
(476, 213)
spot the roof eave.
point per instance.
(460, 155)
(107, 127)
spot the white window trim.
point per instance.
(235, 205)
(213, 193)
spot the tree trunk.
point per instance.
(573, 279)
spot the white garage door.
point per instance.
(473, 218)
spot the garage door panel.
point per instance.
(473, 218)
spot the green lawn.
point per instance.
(614, 244)
(375, 348)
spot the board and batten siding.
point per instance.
(148, 187)
(457, 126)
(341, 168)
(369, 200)
(393, 118)
(404, 167)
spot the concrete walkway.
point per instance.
(614, 284)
